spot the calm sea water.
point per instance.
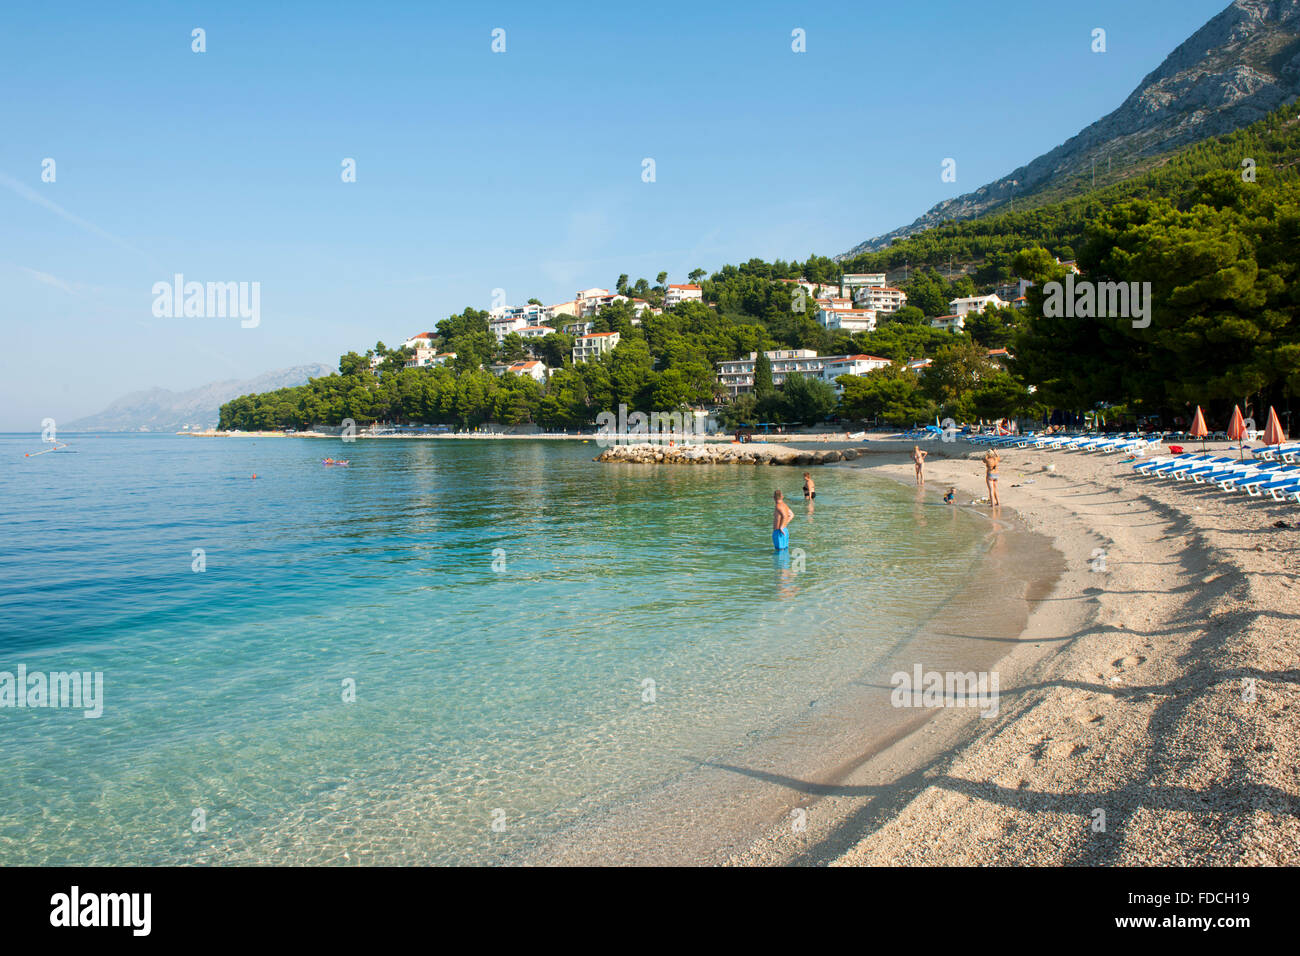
(504, 609)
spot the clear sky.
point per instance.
(478, 170)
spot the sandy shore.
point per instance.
(1162, 693)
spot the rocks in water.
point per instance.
(717, 454)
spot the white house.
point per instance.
(420, 341)
(919, 365)
(851, 365)
(585, 303)
(533, 369)
(976, 303)
(534, 331)
(677, 294)
(879, 298)
(552, 312)
(429, 358)
(949, 323)
(850, 320)
(834, 304)
(593, 345)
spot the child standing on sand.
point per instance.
(991, 460)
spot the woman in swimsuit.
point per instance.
(918, 458)
(809, 488)
(991, 476)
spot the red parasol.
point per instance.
(1237, 430)
(1198, 427)
(1273, 430)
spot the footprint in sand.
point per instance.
(1133, 660)
(1064, 750)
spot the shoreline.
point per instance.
(713, 812)
(1134, 720)
(1123, 737)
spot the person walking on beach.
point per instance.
(781, 519)
(991, 460)
(809, 487)
(918, 458)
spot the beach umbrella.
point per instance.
(1273, 430)
(1198, 427)
(1237, 429)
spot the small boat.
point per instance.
(342, 463)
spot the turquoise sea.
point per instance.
(529, 636)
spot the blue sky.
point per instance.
(478, 170)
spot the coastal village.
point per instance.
(859, 302)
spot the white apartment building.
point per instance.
(593, 345)
(949, 323)
(879, 298)
(850, 320)
(834, 304)
(677, 294)
(505, 324)
(737, 375)
(850, 282)
(976, 303)
(532, 312)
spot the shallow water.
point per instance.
(531, 636)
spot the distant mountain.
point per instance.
(161, 410)
(1233, 71)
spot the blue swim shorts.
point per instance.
(781, 539)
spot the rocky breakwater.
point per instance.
(733, 454)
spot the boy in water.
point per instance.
(948, 498)
(781, 519)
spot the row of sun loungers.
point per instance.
(1273, 471)
(1279, 479)
(1067, 442)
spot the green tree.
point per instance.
(806, 398)
(763, 386)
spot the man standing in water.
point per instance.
(780, 521)
(991, 460)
